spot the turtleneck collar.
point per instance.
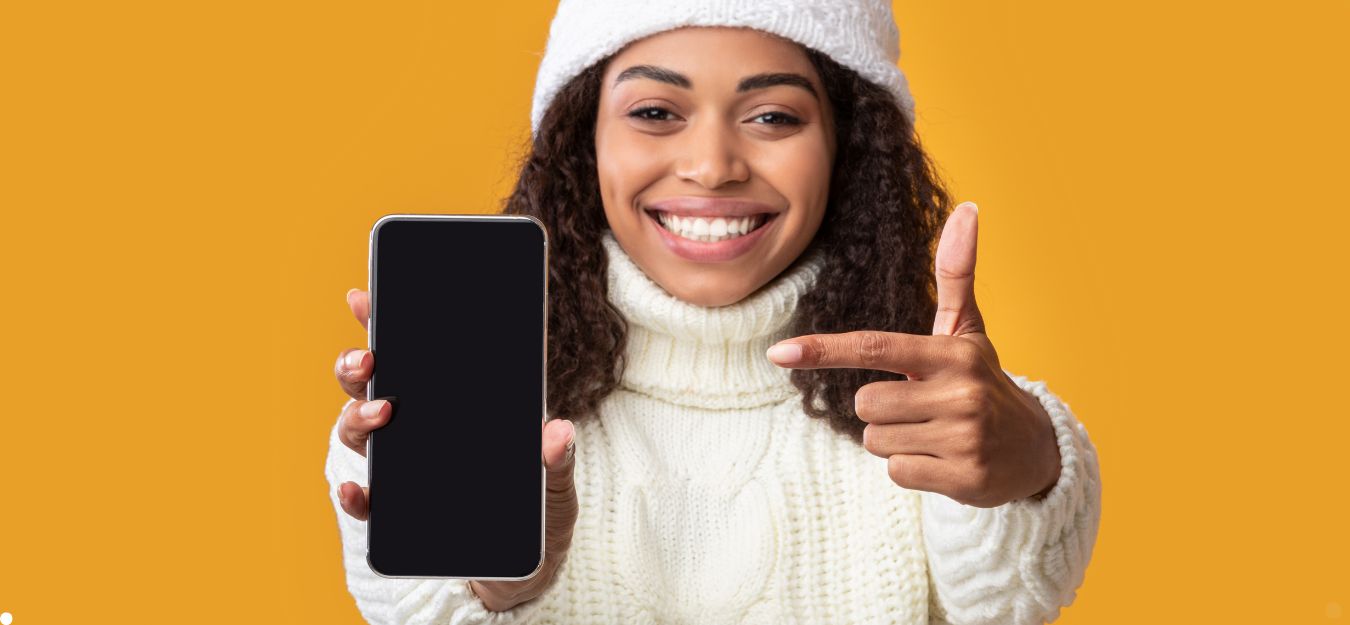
(706, 357)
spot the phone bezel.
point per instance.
(370, 384)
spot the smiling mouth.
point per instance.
(710, 230)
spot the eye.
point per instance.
(784, 119)
(650, 114)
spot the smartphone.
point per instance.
(458, 326)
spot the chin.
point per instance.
(709, 297)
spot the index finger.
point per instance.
(359, 302)
(914, 355)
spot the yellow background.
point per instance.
(187, 189)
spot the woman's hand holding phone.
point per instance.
(354, 368)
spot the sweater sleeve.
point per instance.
(1018, 563)
(399, 601)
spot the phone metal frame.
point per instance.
(370, 384)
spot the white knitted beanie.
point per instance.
(859, 34)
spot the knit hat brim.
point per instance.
(859, 34)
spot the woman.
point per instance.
(716, 182)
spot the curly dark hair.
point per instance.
(885, 212)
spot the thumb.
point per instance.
(561, 508)
(955, 272)
(559, 452)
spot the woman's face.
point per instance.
(721, 129)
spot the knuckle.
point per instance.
(339, 368)
(970, 355)
(561, 487)
(353, 378)
(349, 431)
(973, 398)
(962, 353)
(561, 519)
(967, 437)
(349, 377)
(351, 419)
(815, 350)
(872, 348)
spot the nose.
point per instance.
(711, 155)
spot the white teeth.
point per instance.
(718, 228)
(700, 226)
(701, 229)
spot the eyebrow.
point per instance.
(757, 81)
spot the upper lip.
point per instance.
(696, 206)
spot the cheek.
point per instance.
(626, 166)
(801, 173)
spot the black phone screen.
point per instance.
(458, 329)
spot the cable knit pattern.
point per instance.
(1018, 563)
(708, 497)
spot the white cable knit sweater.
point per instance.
(708, 496)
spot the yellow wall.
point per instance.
(187, 188)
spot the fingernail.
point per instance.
(371, 409)
(349, 293)
(342, 500)
(354, 357)
(571, 444)
(972, 205)
(785, 353)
